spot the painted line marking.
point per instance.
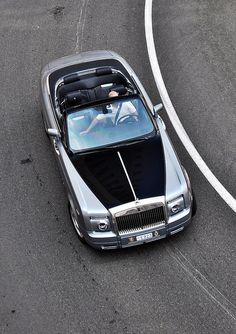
(212, 292)
(80, 26)
(225, 195)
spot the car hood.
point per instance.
(105, 172)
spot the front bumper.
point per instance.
(109, 240)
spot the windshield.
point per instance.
(109, 123)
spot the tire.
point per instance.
(194, 205)
(75, 223)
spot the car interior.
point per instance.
(82, 97)
(79, 89)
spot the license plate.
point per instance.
(144, 236)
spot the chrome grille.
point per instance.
(139, 220)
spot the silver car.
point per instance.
(124, 182)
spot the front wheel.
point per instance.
(194, 205)
(73, 217)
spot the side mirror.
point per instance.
(53, 133)
(157, 108)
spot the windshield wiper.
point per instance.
(98, 149)
(112, 147)
(134, 140)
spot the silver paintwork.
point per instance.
(83, 202)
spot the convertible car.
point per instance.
(124, 182)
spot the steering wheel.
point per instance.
(127, 119)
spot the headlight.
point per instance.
(100, 224)
(176, 205)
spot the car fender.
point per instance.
(80, 196)
(175, 179)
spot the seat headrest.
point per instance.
(103, 71)
(71, 78)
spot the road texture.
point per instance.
(49, 281)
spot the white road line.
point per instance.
(80, 27)
(226, 196)
(211, 291)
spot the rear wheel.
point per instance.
(73, 217)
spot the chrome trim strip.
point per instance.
(127, 175)
(177, 230)
(149, 202)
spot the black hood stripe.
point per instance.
(105, 175)
(146, 168)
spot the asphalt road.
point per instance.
(49, 281)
